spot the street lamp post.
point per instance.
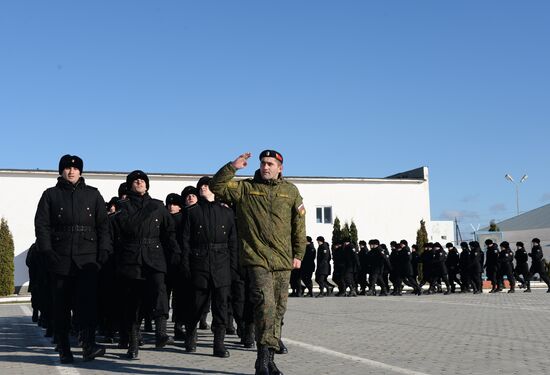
(511, 179)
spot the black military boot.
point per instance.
(219, 345)
(203, 324)
(262, 361)
(273, 370)
(161, 336)
(147, 325)
(133, 342)
(179, 334)
(190, 339)
(64, 349)
(248, 335)
(282, 348)
(90, 349)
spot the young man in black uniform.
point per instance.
(147, 235)
(209, 247)
(537, 265)
(72, 231)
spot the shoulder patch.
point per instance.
(302, 209)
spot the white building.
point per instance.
(385, 208)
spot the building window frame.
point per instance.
(323, 214)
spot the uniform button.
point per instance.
(88, 208)
(156, 219)
(61, 208)
(157, 246)
(59, 215)
(200, 226)
(90, 214)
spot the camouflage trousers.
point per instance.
(268, 295)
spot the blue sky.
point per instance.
(354, 88)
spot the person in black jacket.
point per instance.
(415, 259)
(147, 234)
(522, 268)
(506, 266)
(491, 265)
(537, 265)
(323, 267)
(308, 266)
(464, 261)
(72, 231)
(377, 261)
(439, 268)
(174, 280)
(453, 266)
(427, 265)
(405, 267)
(364, 267)
(209, 248)
(476, 266)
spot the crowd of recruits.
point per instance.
(357, 270)
(113, 265)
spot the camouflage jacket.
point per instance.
(270, 218)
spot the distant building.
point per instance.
(385, 208)
(525, 227)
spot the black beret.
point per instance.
(122, 189)
(174, 198)
(321, 238)
(203, 181)
(271, 154)
(535, 240)
(137, 175)
(68, 161)
(189, 190)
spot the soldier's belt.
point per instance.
(144, 241)
(75, 228)
(211, 246)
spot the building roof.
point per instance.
(538, 218)
(417, 175)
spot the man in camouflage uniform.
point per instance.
(271, 227)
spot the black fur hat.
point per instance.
(174, 198)
(135, 175)
(68, 161)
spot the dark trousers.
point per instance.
(79, 292)
(321, 280)
(236, 302)
(492, 275)
(376, 278)
(218, 298)
(147, 294)
(306, 279)
(543, 275)
(453, 278)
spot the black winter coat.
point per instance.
(323, 260)
(521, 261)
(209, 244)
(476, 260)
(453, 260)
(308, 262)
(505, 260)
(439, 268)
(404, 262)
(71, 226)
(147, 232)
(536, 255)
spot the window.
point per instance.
(324, 215)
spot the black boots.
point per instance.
(133, 342)
(282, 348)
(273, 370)
(262, 361)
(161, 336)
(90, 349)
(190, 339)
(179, 334)
(219, 346)
(64, 349)
(248, 335)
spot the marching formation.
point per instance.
(226, 246)
(223, 245)
(358, 269)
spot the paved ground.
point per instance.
(456, 334)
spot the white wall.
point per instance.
(381, 208)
